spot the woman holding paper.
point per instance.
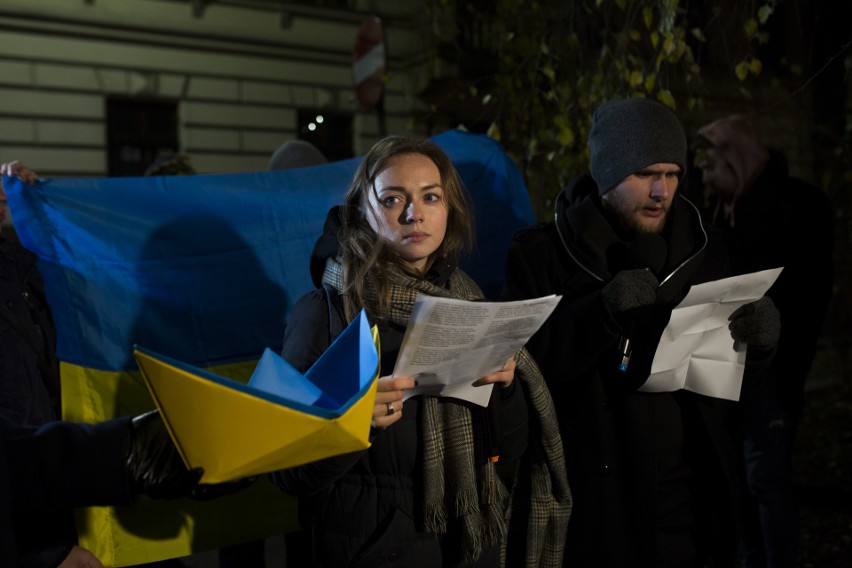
(427, 492)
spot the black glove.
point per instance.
(630, 289)
(153, 463)
(757, 323)
(157, 470)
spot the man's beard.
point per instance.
(625, 216)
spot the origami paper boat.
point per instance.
(280, 419)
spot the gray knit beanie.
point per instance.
(296, 154)
(630, 134)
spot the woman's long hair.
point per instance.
(366, 257)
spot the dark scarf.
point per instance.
(460, 484)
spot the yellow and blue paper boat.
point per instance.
(280, 419)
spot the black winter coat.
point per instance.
(784, 221)
(363, 508)
(29, 372)
(639, 464)
(29, 384)
(55, 468)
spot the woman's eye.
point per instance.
(390, 201)
(433, 197)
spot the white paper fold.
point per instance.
(696, 351)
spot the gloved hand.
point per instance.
(157, 470)
(757, 323)
(153, 462)
(630, 289)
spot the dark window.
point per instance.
(138, 132)
(331, 133)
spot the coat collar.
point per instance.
(593, 243)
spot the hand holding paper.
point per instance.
(503, 377)
(390, 394)
(757, 324)
(696, 351)
(451, 343)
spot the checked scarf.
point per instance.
(461, 485)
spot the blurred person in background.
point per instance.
(769, 219)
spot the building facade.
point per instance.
(102, 87)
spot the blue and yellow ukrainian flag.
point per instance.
(203, 269)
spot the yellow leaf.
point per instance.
(573, 40)
(691, 103)
(549, 72)
(621, 4)
(669, 43)
(598, 3)
(741, 70)
(566, 136)
(699, 35)
(756, 66)
(635, 35)
(796, 70)
(544, 49)
(681, 48)
(665, 97)
(655, 39)
(764, 13)
(750, 27)
(493, 131)
(648, 16)
(650, 81)
(636, 78)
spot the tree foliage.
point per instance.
(538, 68)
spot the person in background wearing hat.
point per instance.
(171, 164)
(653, 474)
(769, 219)
(295, 154)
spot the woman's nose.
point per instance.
(413, 213)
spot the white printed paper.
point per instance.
(451, 343)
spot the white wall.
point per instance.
(237, 74)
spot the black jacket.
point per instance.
(634, 459)
(364, 508)
(29, 372)
(29, 383)
(784, 221)
(56, 467)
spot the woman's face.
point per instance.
(408, 209)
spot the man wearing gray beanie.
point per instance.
(652, 474)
